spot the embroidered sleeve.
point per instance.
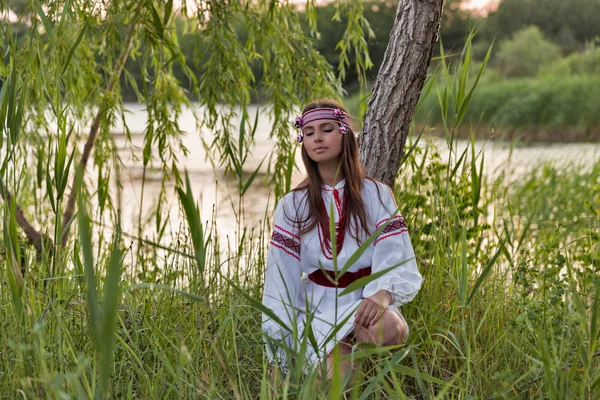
(393, 249)
(286, 241)
(396, 226)
(282, 280)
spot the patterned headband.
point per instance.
(323, 113)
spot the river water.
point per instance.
(215, 193)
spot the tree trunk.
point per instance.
(397, 88)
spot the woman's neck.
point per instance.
(330, 173)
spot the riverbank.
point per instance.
(520, 136)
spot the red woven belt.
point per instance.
(320, 277)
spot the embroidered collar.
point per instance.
(339, 186)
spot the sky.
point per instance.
(482, 4)
(475, 5)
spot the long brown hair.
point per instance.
(350, 169)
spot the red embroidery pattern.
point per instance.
(288, 232)
(395, 227)
(290, 245)
(340, 227)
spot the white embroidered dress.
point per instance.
(288, 291)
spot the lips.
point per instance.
(320, 149)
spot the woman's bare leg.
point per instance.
(389, 330)
(343, 348)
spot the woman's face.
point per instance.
(323, 141)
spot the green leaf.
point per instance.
(412, 147)
(13, 250)
(46, 22)
(18, 118)
(458, 163)
(362, 282)
(193, 217)
(417, 372)
(157, 21)
(85, 239)
(74, 47)
(40, 156)
(465, 104)
(337, 326)
(168, 9)
(251, 178)
(462, 82)
(111, 299)
(65, 176)
(242, 137)
(11, 98)
(463, 278)
(485, 271)
(363, 247)
(50, 190)
(3, 107)
(63, 15)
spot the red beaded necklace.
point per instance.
(340, 226)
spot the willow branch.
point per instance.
(89, 144)
(38, 239)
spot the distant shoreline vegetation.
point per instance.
(551, 108)
(546, 109)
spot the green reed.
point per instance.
(495, 316)
(509, 305)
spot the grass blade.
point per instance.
(485, 271)
(192, 215)
(362, 282)
(111, 300)
(356, 255)
(85, 239)
(13, 249)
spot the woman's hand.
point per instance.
(372, 308)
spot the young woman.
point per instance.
(301, 288)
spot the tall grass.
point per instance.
(509, 306)
(527, 326)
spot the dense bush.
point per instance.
(525, 53)
(584, 63)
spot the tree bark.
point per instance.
(398, 86)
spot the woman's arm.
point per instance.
(282, 281)
(394, 250)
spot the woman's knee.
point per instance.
(388, 331)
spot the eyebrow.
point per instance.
(320, 125)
